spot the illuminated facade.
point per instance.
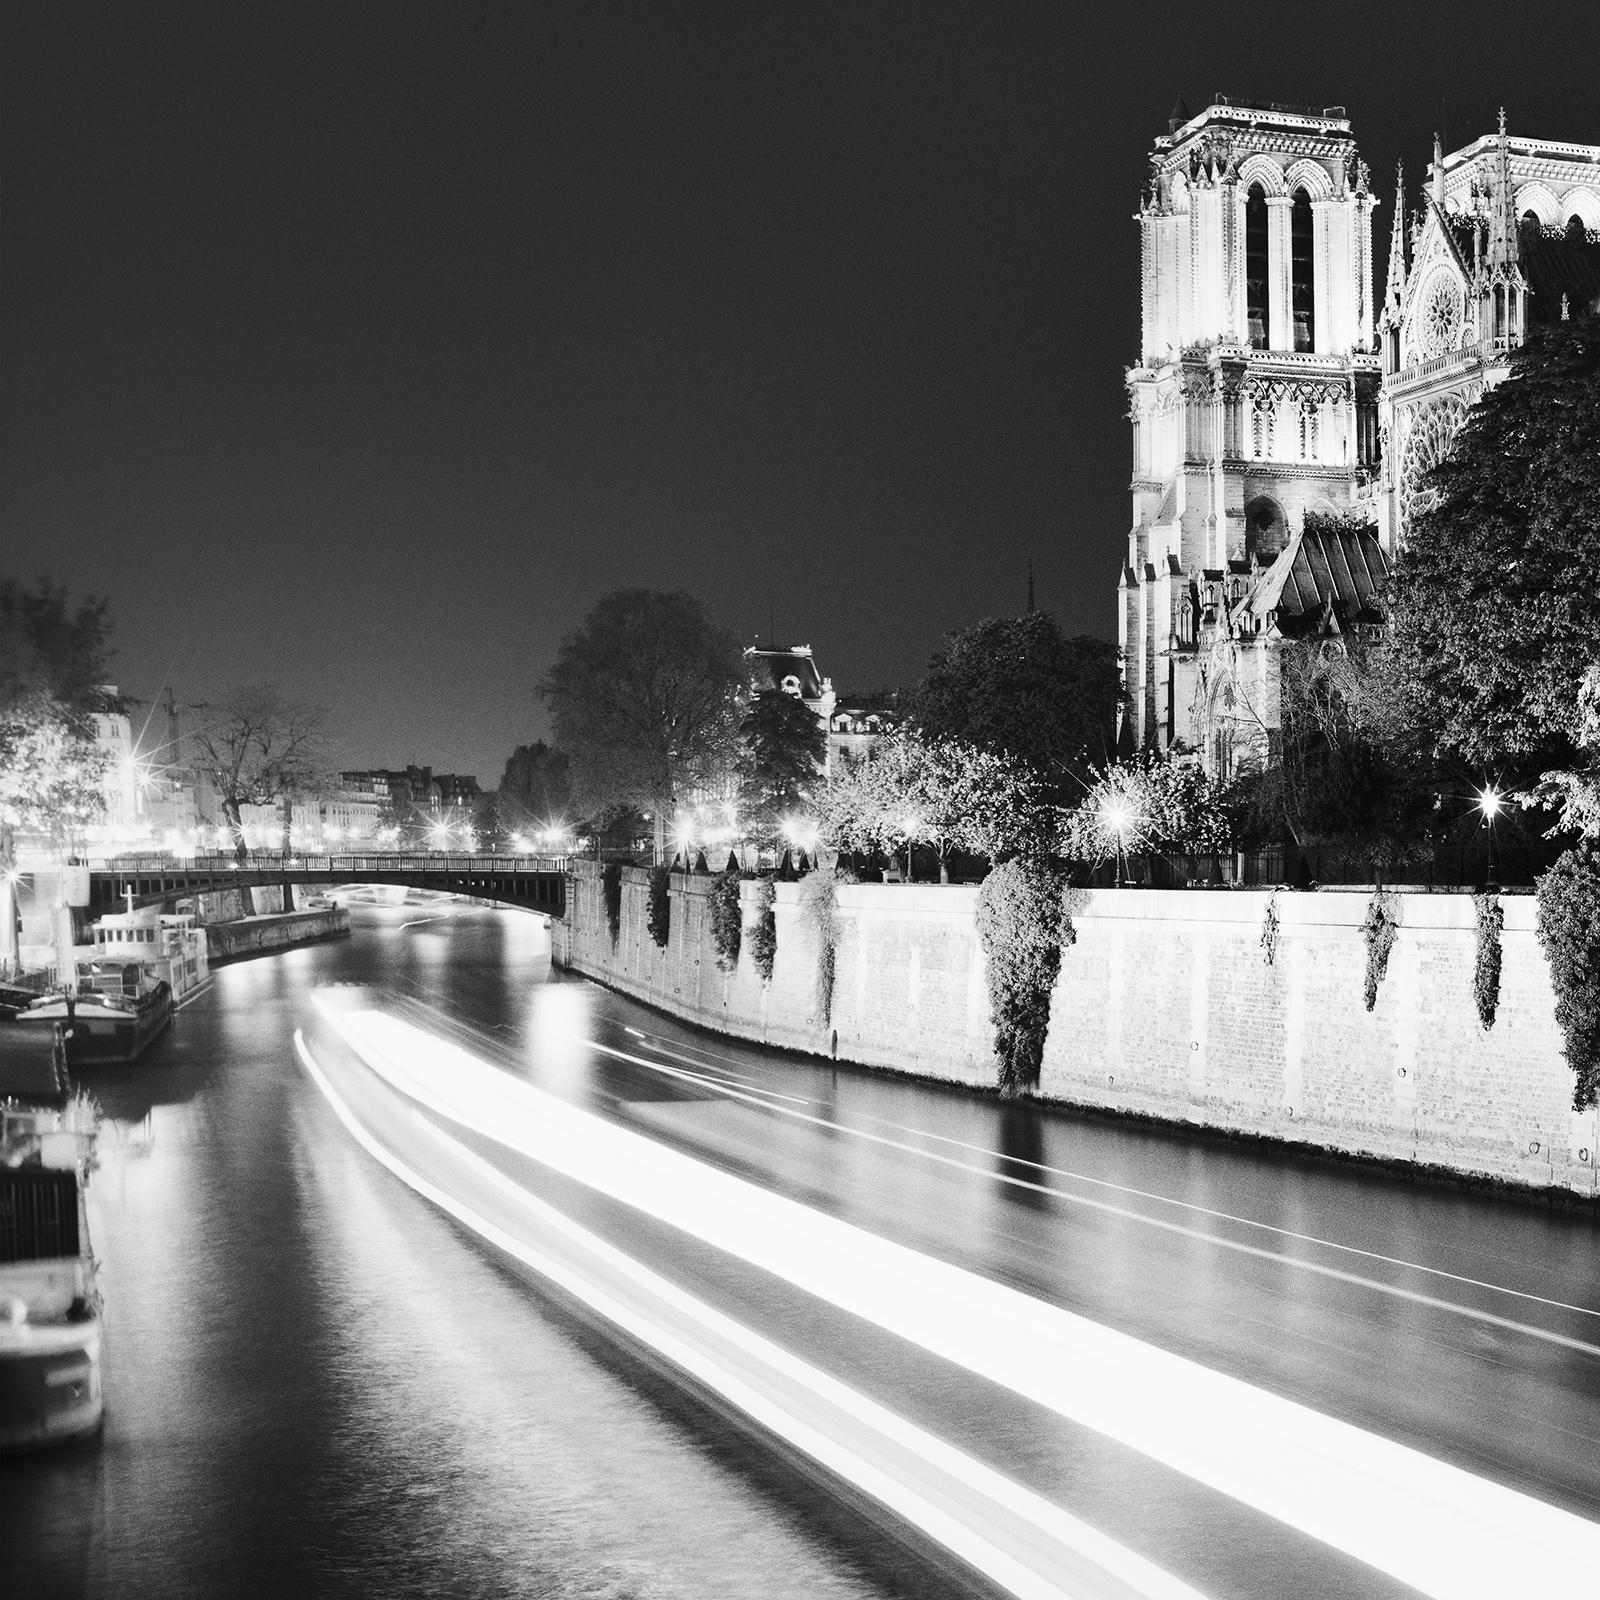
(1254, 402)
(1507, 237)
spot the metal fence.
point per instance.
(273, 860)
(1443, 868)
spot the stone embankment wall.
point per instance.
(257, 936)
(1166, 1006)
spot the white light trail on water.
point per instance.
(752, 1093)
(1447, 1532)
(1051, 1547)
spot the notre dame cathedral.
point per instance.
(1282, 422)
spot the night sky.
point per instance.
(361, 348)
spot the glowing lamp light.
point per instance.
(1489, 803)
(1119, 817)
(911, 825)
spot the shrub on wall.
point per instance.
(1569, 930)
(1486, 969)
(764, 935)
(1383, 920)
(819, 907)
(1269, 932)
(1023, 917)
(660, 920)
(727, 920)
(611, 887)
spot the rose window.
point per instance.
(1428, 442)
(1440, 319)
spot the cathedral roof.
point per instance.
(1557, 262)
(1324, 575)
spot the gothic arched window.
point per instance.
(1499, 311)
(1255, 265)
(1301, 300)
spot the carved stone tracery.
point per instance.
(1429, 434)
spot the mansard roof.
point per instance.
(769, 669)
(1325, 576)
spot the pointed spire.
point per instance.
(1438, 171)
(1397, 244)
(1502, 216)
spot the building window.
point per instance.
(1499, 311)
(1301, 300)
(1255, 265)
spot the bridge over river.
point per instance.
(535, 883)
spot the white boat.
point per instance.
(50, 1313)
(167, 946)
(113, 1011)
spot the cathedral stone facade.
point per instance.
(1280, 423)
(1507, 237)
(1254, 402)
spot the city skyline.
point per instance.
(363, 359)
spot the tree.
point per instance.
(1573, 793)
(402, 824)
(1149, 803)
(644, 695)
(535, 788)
(939, 792)
(1496, 610)
(257, 747)
(783, 750)
(488, 829)
(1346, 769)
(54, 661)
(1021, 687)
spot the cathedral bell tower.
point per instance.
(1255, 396)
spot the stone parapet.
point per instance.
(1167, 1006)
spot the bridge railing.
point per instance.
(274, 861)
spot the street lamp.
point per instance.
(1489, 803)
(912, 826)
(1119, 818)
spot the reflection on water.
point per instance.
(316, 1386)
(1022, 1143)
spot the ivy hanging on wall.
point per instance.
(1269, 932)
(1486, 969)
(611, 887)
(1383, 921)
(727, 918)
(819, 907)
(660, 920)
(1024, 915)
(764, 935)
(1569, 930)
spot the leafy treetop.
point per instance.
(1496, 608)
(536, 787)
(780, 765)
(940, 792)
(53, 664)
(1021, 687)
(644, 695)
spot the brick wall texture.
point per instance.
(1166, 1006)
